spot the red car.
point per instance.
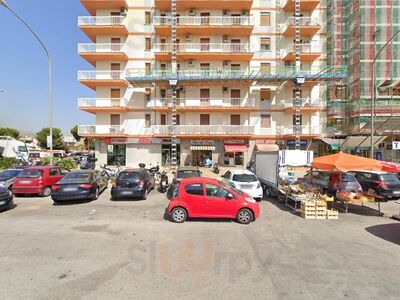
(38, 180)
(201, 197)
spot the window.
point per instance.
(147, 94)
(204, 119)
(265, 121)
(195, 189)
(148, 68)
(265, 44)
(163, 119)
(265, 68)
(147, 18)
(265, 19)
(298, 120)
(147, 120)
(54, 172)
(148, 44)
(216, 191)
(294, 93)
(235, 119)
(265, 95)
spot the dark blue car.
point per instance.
(6, 199)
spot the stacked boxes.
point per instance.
(308, 209)
(332, 214)
(317, 210)
(320, 210)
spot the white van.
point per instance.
(10, 147)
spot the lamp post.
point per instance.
(4, 3)
(373, 92)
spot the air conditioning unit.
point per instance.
(225, 12)
(123, 11)
(192, 12)
(225, 39)
(225, 63)
(224, 89)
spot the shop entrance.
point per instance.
(200, 157)
(116, 154)
(166, 154)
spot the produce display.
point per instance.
(355, 197)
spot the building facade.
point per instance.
(356, 32)
(204, 79)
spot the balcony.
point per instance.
(103, 25)
(302, 130)
(181, 5)
(102, 52)
(306, 104)
(101, 130)
(308, 26)
(305, 5)
(204, 51)
(226, 104)
(94, 79)
(94, 105)
(204, 130)
(93, 5)
(308, 52)
(212, 25)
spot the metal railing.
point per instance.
(306, 48)
(100, 47)
(101, 75)
(102, 102)
(305, 102)
(304, 21)
(299, 129)
(205, 21)
(204, 129)
(204, 47)
(206, 103)
(101, 21)
(100, 129)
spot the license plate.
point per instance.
(126, 193)
(70, 189)
(246, 186)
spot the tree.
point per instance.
(74, 132)
(10, 132)
(58, 139)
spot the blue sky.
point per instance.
(23, 65)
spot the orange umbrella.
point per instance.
(344, 162)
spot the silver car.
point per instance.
(7, 178)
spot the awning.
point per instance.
(357, 142)
(235, 148)
(266, 147)
(345, 162)
(334, 144)
(209, 148)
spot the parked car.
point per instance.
(78, 185)
(6, 199)
(133, 183)
(330, 182)
(386, 185)
(181, 173)
(210, 198)
(245, 181)
(38, 180)
(7, 178)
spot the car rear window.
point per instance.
(77, 177)
(244, 178)
(188, 174)
(31, 173)
(195, 189)
(388, 177)
(129, 176)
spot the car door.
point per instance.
(54, 176)
(194, 199)
(217, 203)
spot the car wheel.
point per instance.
(96, 194)
(267, 192)
(244, 216)
(145, 195)
(46, 191)
(178, 215)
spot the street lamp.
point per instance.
(373, 92)
(4, 3)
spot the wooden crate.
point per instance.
(332, 214)
(320, 216)
(307, 216)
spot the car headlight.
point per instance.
(2, 183)
(250, 199)
(258, 185)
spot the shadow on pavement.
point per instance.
(388, 232)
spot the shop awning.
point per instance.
(345, 162)
(357, 142)
(235, 148)
(209, 148)
(266, 147)
(334, 144)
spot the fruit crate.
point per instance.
(308, 203)
(332, 214)
(320, 216)
(308, 216)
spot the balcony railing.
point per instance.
(304, 102)
(206, 21)
(303, 21)
(204, 47)
(101, 75)
(100, 48)
(305, 48)
(300, 129)
(206, 103)
(204, 130)
(101, 21)
(102, 102)
(100, 129)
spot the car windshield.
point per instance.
(34, 155)
(229, 186)
(129, 176)
(349, 178)
(244, 178)
(188, 174)
(30, 173)
(9, 174)
(388, 177)
(76, 177)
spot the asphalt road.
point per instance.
(128, 250)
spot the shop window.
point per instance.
(265, 121)
(265, 44)
(147, 120)
(147, 18)
(116, 154)
(148, 44)
(265, 19)
(195, 189)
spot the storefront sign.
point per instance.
(169, 141)
(234, 142)
(396, 145)
(265, 141)
(201, 143)
(145, 141)
(303, 143)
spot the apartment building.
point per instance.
(187, 80)
(356, 32)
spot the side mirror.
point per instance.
(229, 196)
